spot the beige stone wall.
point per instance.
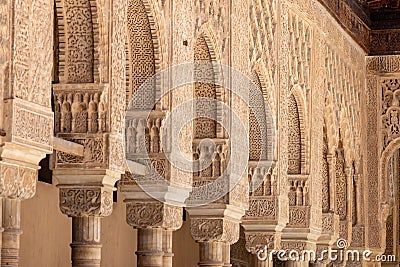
(185, 249)
(47, 233)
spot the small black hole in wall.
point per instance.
(184, 215)
(45, 174)
(185, 43)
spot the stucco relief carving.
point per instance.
(85, 201)
(265, 209)
(299, 217)
(80, 109)
(95, 152)
(31, 125)
(341, 185)
(390, 110)
(32, 51)
(79, 41)
(17, 182)
(141, 55)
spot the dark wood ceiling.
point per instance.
(383, 4)
(374, 24)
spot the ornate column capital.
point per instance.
(255, 241)
(17, 182)
(214, 230)
(86, 201)
(153, 215)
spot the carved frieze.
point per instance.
(95, 151)
(265, 209)
(383, 64)
(299, 216)
(28, 124)
(31, 51)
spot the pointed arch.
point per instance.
(208, 33)
(205, 125)
(265, 76)
(331, 127)
(297, 135)
(346, 137)
(145, 50)
(261, 122)
(77, 40)
(208, 44)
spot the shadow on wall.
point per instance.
(186, 250)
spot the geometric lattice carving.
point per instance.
(325, 176)
(389, 235)
(80, 41)
(263, 24)
(294, 146)
(390, 110)
(204, 127)
(258, 125)
(300, 51)
(341, 183)
(141, 55)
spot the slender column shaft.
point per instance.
(211, 254)
(227, 255)
(167, 248)
(297, 263)
(150, 247)
(86, 246)
(12, 232)
(259, 263)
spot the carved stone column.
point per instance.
(167, 248)
(153, 196)
(86, 246)
(86, 205)
(89, 102)
(150, 247)
(260, 263)
(26, 117)
(226, 252)
(19, 179)
(262, 223)
(12, 232)
(155, 222)
(214, 237)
